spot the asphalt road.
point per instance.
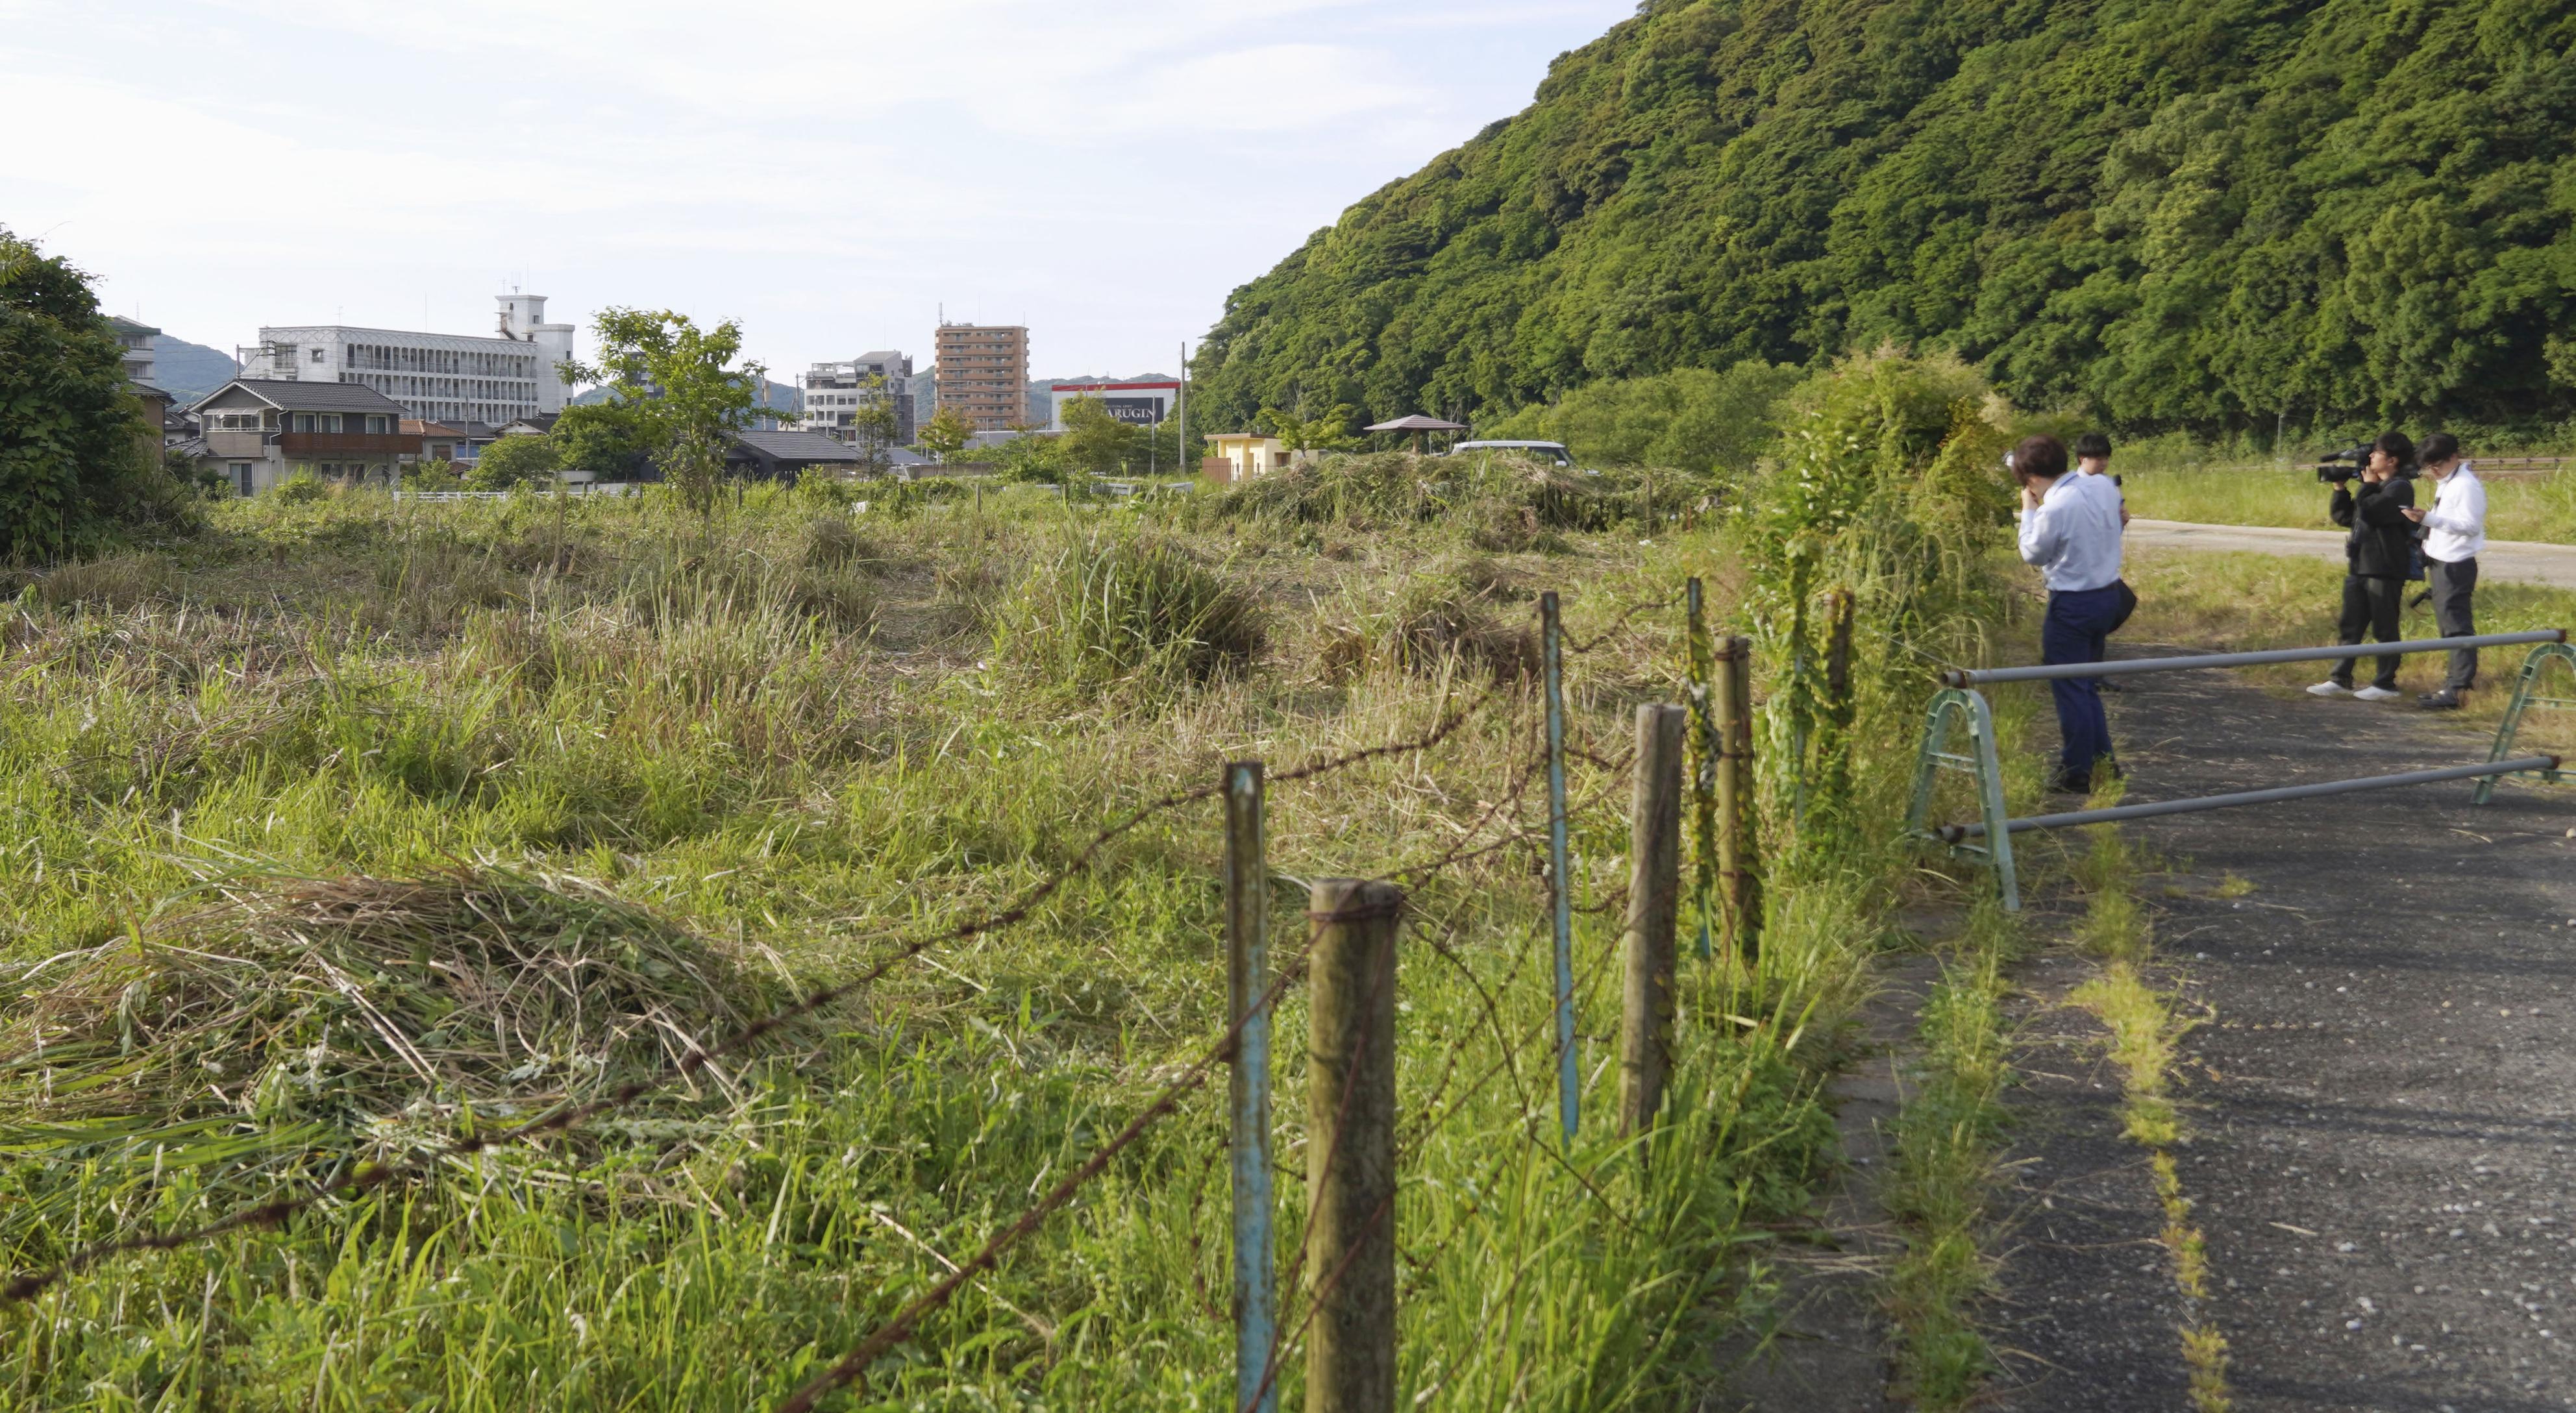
(2382, 1089)
(2524, 561)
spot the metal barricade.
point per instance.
(1959, 705)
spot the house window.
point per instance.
(241, 476)
(376, 425)
(330, 421)
(304, 421)
(317, 355)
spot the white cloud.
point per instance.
(833, 171)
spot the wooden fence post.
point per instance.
(1350, 1146)
(1703, 766)
(1654, 911)
(1738, 870)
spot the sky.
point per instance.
(833, 174)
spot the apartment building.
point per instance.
(136, 340)
(453, 378)
(984, 373)
(834, 393)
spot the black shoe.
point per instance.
(2447, 699)
(2065, 784)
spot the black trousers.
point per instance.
(2452, 586)
(2371, 604)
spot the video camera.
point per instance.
(2342, 466)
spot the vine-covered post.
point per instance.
(1739, 872)
(1552, 653)
(1701, 689)
(1247, 936)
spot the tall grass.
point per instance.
(686, 718)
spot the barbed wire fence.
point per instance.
(1361, 1361)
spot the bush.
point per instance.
(1114, 605)
(514, 461)
(433, 477)
(302, 488)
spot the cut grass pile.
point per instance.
(363, 1003)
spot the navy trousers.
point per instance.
(2078, 624)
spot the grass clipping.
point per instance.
(364, 1005)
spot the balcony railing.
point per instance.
(301, 444)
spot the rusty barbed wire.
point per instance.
(852, 1367)
(1572, 644)
(368, 1177)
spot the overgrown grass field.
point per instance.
(351, 825)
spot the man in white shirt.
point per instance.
(2455, 529)
(2070, 528)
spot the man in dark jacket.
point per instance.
(2379, 552)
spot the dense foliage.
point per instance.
(2208, 216)
(77, 455)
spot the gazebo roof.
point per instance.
(1417, 423)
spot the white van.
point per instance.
(1552, 452)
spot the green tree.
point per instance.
(1699, 419)
(1032, 460)
(611, 440)
(1095, 442)
(945, 434)
(515, 461)
(1329, 430)
(690, 398)
(78, 457)
(873, 426)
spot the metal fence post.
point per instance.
(1247, 937)
(1569, 1099)
(1654, 907)
(1350, 1146)
(1739, 869)
(1703, 764)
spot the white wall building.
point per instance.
(834, 391)
(453, 378)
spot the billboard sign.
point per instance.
(1137, 411)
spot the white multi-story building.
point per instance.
(453, 378)
(836, 391)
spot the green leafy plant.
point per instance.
(79, 461)
(682, 388)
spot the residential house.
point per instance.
(785, 456)
(259, 431)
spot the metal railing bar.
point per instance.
(2052, 672)
(1954, 833)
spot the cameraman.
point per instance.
(2070, 528)
(2378, 552)
(2455, 530)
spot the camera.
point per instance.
(2341, 466)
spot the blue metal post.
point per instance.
(1247, 935)
(1569, 1103)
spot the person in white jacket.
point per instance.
(2455, 529)
(2070, 529)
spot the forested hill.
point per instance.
(2179, 212)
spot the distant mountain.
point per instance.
(188, 371)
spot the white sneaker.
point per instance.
(2329, 689)
(2375, 694)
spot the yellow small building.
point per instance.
(1240, 456)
